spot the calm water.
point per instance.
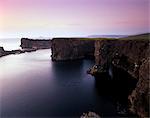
(31, 85)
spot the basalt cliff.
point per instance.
(35, 43)
(130, 55)
(71, 49)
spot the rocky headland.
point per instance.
(19, 51)
(35, 43)
(28, 45)
(72, 48)
(130, 55)
(113, 57)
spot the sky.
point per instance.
(73, 18)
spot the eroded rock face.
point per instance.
(71, 49)
(127, 54)
(35, 43)
(139, 99)
(132, 55)
(2, 52)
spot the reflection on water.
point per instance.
(32, 85)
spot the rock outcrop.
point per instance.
(139, 99)
(35, 43)
(5, 53)
(130, 54)
(2, 52)
(72, 48)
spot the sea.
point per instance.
(33, 86)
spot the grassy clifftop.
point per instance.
(145, 36)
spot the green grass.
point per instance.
(138, 37)
(145, 36)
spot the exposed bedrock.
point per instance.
(2, 52)
(19, 51)
(131, 55)
(71, 49)
(35, 43)
(139, 99)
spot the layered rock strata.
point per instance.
(130, 54)
(35, 43)
(71, 49)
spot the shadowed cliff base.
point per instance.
(117, 87)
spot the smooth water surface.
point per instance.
(31, 85)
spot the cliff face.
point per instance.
(132, 55)
(126, 54)
(35, 44)
(139, 99)
(2, 52)
(71, 48)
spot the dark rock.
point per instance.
(35, 43)
(139, 99)
(2, 52)
(90, 115)
(5, 53)
(71, 49)
(130, 54)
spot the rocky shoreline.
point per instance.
(19, 51)
(131, 55)
(28, 45)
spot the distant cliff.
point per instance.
(130, 54)
(71, 49)
(35, 43)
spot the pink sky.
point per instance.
(49, 18)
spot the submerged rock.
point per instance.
(90, 115)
